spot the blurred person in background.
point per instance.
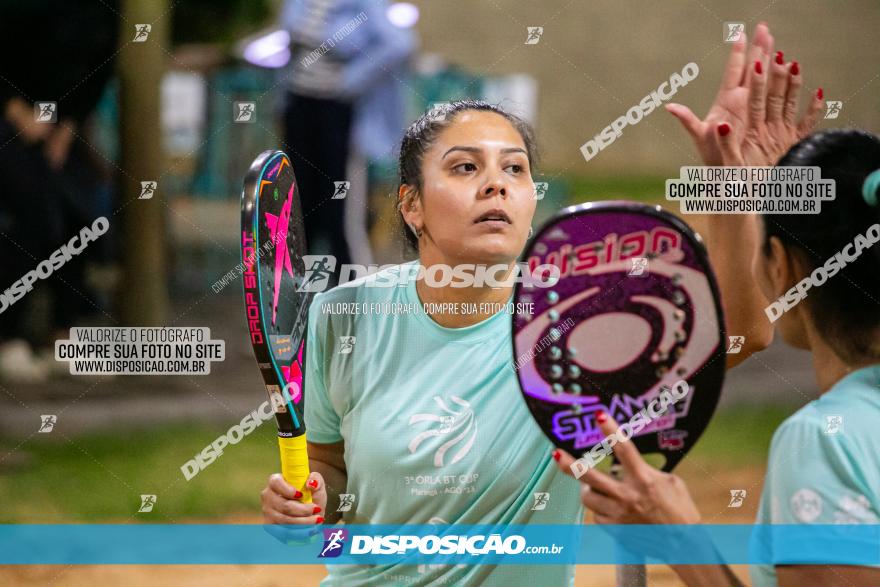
(346, 61)
(50, 180)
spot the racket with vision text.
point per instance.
(276, 303)
(636, 310)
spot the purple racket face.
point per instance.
(635, 310)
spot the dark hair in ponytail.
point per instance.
(846, 308)
(421, 135)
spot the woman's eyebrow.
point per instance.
(478, 150)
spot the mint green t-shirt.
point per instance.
(824, 464)
(435, 428)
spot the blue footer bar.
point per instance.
(429, 544)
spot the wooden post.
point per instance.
(143, 293)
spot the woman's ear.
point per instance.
(411, 207)
(781, 268)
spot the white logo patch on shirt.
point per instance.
(461, 425)
(854, 509)
(806, 505)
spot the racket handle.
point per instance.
(295, 463)
(628, 575)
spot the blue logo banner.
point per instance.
(430, 544)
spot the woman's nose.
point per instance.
(494, 188)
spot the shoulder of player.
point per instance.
(850, 399)
(820, 431)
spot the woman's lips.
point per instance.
(494, 224)
(493, 215)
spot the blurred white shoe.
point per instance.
(56, 369)
(19, 365)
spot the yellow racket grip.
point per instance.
(295, 463)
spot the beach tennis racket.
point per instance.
(276, 301)
(636, 309)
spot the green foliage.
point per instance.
(218, 21)
(100, 477)
(637, 188)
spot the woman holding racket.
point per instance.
(813, 476)
(412, 406)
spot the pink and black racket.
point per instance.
(276, 301)
(636, 308)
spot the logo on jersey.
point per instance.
(806, 505)
(460, 425)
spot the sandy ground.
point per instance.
(248, 575)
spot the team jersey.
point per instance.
(824, 464)
(434, 425)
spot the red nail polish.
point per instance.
(723, 129)
(557, 455)
(759, 69)
(320, 520)
(297, 495)
(601, 416)
(780, 59)
(795, 68)
(819, 94)
(313, 484)
(316, 510)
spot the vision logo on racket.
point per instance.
(630, 337)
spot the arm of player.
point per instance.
(751, 122)
(645, 495)
(732, 240)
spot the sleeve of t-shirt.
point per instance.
(813, 478)
(322, 420)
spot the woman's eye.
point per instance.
(467, 167)
(516, 168)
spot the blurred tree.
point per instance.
(143, 294)
(218, 21)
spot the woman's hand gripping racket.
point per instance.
(272, 249)
(635, 311)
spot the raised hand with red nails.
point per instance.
(758, 103)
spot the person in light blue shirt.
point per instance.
(815, 277)
(824, 465)
(427, 438)
(413, 407)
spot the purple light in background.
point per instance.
(270, 50)
(402, 14)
